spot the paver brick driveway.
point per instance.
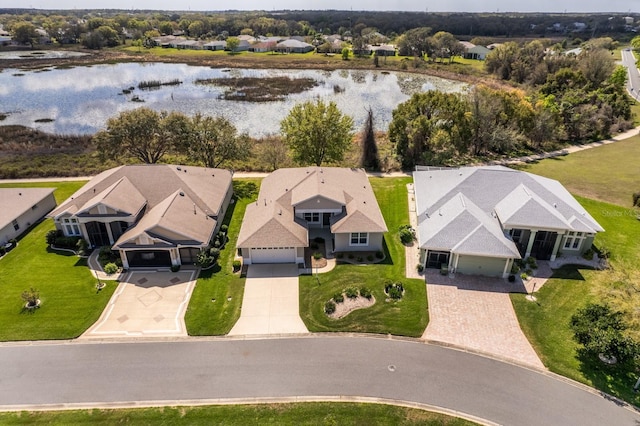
(476, 313)
(146, 303)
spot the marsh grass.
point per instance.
(260, 89)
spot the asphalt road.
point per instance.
(633, 83)
(169, 372)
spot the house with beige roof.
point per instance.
(478, 220)
(153, 214)
(294, 202)
(21, 208)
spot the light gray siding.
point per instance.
(28, 218)
(477, 265)
(318, 203)
(342, 242)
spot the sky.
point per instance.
(621, 6)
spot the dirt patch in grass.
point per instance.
(349, 305)
(260, 89)
(20, 140)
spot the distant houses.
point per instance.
(473, 51)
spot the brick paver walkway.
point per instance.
(476, 313)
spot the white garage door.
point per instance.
(273, 255)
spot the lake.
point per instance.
(80, 100)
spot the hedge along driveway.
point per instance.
(70, 302)
(407, 317)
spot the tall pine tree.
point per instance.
(369, 159)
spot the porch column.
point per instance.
(175, 257)
(556, 246)
(109, 234)
(123, 257)
(455, 263)
(532, 237)
(507, 268)
(85, 234)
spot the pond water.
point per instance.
(80, 100)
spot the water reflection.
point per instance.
(81, 99)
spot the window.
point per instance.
(312, 217)
(71, 227)
(573, 241)
(516, 235)
(359, 239)
(15, 225)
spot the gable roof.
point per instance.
(169, 195)
(17, 201)
(271, 222)
(449, 202)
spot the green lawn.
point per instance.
(70, 302)
(205, 317)
(407, 317)
(313, 413)
(608, 173)
(546, 323)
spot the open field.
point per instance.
(407, 317)
(608, 173)
(70, 302)
(313, 413)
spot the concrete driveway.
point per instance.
(476, 313)
(270, 304)
(146, 303)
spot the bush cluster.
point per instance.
(394, 290)
(329, 307)
(406, 234)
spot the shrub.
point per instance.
(67, 242)
(339, 255)
(588, 255)
(214, 253)
(524, 276)
(236, 265)
(350, 256)
(365, 292)
(329, 307)
(338, 298)
(82, 247)
(216, 244)
(52, 236)
(512, 278)
(406, 234)
(224, 228)
(204, 259)
(370, 258)
(515, 268)
(317, 255)
(531, 262)
(110, 268)
(394, 290)
(604, 253)
(319, 240)
(379, 255)
(175, 268)
(359, 259)
(420, 267)
(105, 254)
(351, 292)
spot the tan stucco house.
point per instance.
(153, 214)
(478, 220)
(21, 208)
(292, 202)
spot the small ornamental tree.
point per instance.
(31, 297)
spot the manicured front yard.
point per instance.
(204, 316)
(407, 317)
(546, 323)
(70, 302)
(314, 413)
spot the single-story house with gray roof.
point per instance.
(295, 202)
(21, 208)
(478, 220)
(153, 214)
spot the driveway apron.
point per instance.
(270, 304)
(146, 303)
(476, 313)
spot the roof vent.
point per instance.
(440, 212)
(555, 205)
(321, 180)
(194, 208)
(185, 170)
(178, 168)
(265, 201)
(20, 194)
(181, 194)
(280, 212)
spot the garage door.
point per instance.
(476, 265)
(273, 255)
